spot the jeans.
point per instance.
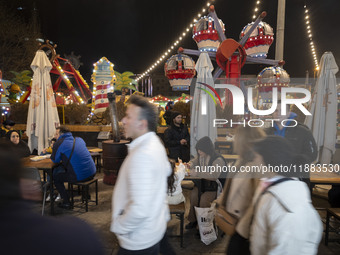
(238, 245)
(153, 250)
(59, 177)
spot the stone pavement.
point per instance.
(100, 217)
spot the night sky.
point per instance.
(132, 34)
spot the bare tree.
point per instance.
(17, 42)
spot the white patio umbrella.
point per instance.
(201, 123)
(323, 108)
(42, 118)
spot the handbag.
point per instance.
(223, 219)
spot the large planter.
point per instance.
(114, 154)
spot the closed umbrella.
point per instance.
(201, 123)
(322, 122)
(42, 118)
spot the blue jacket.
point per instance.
(81, 161)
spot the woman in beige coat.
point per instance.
(237, 199)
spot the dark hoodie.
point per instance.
(21, 148)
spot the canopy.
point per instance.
(203, 110)
(42, 118)
(323, 108)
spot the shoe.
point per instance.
(48, 199)
(58, 198)
(66, 206)
(191, 225)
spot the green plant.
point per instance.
(124, 81)
(19, 112)
(76, 113)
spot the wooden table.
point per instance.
(326, 178)
(45, 165)
(96, 154)
(230, 158)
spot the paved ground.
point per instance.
(100, 216)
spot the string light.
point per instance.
(256, 9)
(310, 36)
(180, 38)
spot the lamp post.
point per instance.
(280, 29)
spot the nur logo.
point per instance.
(239, 99)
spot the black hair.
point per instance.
(148, 111)
(9, 133)
(63, 129)
(171, 178)
(278, 151)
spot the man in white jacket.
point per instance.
(139, 208)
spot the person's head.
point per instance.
(10, 172)
(205, 147)
(8, 124)
(278, 114)
(276, 151)
(169, 106)
(53, 141)
(244, 135)
(61, 130)
(177, 118)
(13, 136)
(141, 117)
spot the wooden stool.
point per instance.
(84, 186)
(179, 211)
(335, 212)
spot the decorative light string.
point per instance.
(256, 9)
(310, 36)
(176, 42)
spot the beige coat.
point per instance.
(239, 198)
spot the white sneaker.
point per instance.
(58, 198)
(48, 199)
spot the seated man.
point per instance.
(76, 163)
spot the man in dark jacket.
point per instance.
(299, 136)
(79, 168)
(177, 138)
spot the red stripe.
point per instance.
(206, 36)
(101, 105)
(186, 74)
(258, 42)
(105, 86)
(101, 96)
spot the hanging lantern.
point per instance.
(180, 69)
(259, 41)
(205, 34)
(271, 77)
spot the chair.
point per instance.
(84, 188)
(179, 211)
(335, 212)
(34, 174)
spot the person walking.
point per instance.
(139, 208)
